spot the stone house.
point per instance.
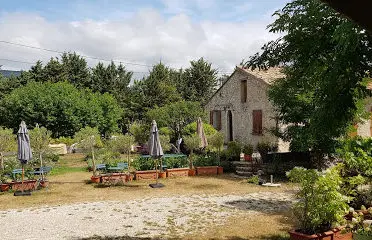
(241, 110)
(364, 128)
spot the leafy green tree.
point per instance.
(7, 143)
(199, 81)
(60, 107)
(140, 132)
(88, 139)
(40, 138)
(75, 69)
(324, 57)
(165, 142)
(123, 143)
(176, 115)
(192, 143)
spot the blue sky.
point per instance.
(140, 31)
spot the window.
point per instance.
(215, 119)
(257, 122)
(243, 91)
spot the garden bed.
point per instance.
(208, 170)
(28, 185)
(143, 175)
(178, 172)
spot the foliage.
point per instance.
(176, 162)
(192, 142)
(254, 179)
(358, 225)
(324, 57)
(140, 132)
(60, 107)
(176, 115)
(165, 131)
(143, 164)
(357, 155)
(165, 142)
(248, 149)
(233, 150)
(320, 205)
(122, 143)
(209, 159)
(66, 140)
(88, 139)
(7, 143)
(39, 140)
(216, 141)
(264, 147)
(190, 129)
(198, 82)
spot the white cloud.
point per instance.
(144, 38)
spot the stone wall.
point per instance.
(228, 98)
(365, 128)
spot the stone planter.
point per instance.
(210, 170)
(4, 187)
(334, 234)
(143, 175)
(178, 172)
(219, 170)
(28, 185)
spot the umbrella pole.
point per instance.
(156, 169)
(23, 175)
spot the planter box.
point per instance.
(162, 174)
(192, 172)
(219, 170)
(27, 185)
(143, 175)
(210, 170)
(334, 234)
(4, 187)
(178, 172)
(114, 178)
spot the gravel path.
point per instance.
(151, 217)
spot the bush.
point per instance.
(254, 180)
(215, 141)
(206, 160)
(140, 132)
(190, 129)
(233, 151)
(177, 162)
(248, 149)
(320, 205)
(143, 164)
(66, 140)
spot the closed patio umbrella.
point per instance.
(155, 150)
(201, 134)
(24, 153)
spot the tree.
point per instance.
(176, 115)
(123, 143)
(324, 57)
(192, 143)
(88, 139)
(40, 139)
(7, 143)
(61, 108)
(140, 132)
(199, 81)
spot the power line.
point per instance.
(85, 56)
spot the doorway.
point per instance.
(230, 126)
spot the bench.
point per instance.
(16, 171)
(101, 167)
(42, 170)
(119, 167)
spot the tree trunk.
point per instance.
(41, 165)
(1, 161)
(93, 163)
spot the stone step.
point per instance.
(248, 174)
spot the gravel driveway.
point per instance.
(151, 217)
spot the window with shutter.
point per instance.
(257, 122)
(243, 91)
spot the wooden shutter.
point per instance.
(211, 118)
(243, 91)
(257, 122)
(219, 121)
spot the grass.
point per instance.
(68, 184)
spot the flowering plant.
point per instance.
(359, 224)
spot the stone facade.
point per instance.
(235, 116)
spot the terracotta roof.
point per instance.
(268, 76)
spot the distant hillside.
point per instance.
(8, 73)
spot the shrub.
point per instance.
(140, 132)
(320, 205)
(206, 160)
(248, 149)
(66, 140)
(143, 164)
(190, 129)
(254, 180)
(215, 141)
(165, 142)
(233, 151)
(177, 162)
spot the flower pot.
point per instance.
(335, 234)
(95, 179)
(219, 170)
(129, 177)
(44, 183)
(192, 172)
(162, 174)
(247, 157)
(4, 187)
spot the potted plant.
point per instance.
(263, 148)
(248, 150)
(4, 185)
(359, 225)
(216, 142)
(320, 206)
(192, 143)
(88, 139)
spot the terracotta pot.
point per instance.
(95, 179)
(162, 174)
(334, 234)
(219, 170)
(4, 187)
(28, 185)
(129, 177)
(247, 157)
(192, 172)
(44, 183)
